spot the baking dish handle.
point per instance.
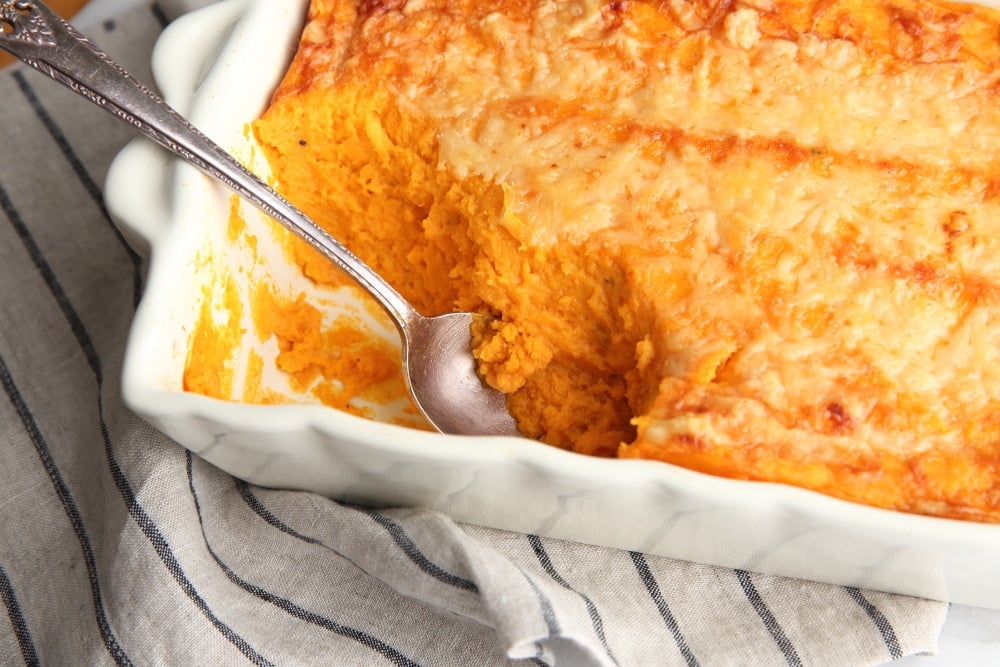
(184, 53)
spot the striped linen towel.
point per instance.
(119, 546)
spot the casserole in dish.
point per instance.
(204, 252)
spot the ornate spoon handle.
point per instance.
(34, 33)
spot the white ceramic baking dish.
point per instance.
(219, 66)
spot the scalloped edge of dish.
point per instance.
(507, 483)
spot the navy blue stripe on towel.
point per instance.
(254, 503)
(881, 622)
(409, 547)
(81, 173)
(653, 588)
(142, 519)
(159, 14)
(258, 508)
(770, 622)
(49, 278)
(17, 621)
(595, 617)
(71, 509)
(389, 652)
(545, 605)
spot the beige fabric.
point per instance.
(118, 546)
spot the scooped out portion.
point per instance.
(450, 242)
(757, 239)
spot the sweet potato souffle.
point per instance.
(755, 238)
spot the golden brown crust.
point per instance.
(765, 229)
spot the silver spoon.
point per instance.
(438, 366)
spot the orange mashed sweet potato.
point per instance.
(756, 238)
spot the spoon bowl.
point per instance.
(474, 408)
(438, 365)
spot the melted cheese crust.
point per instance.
(757, 238)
